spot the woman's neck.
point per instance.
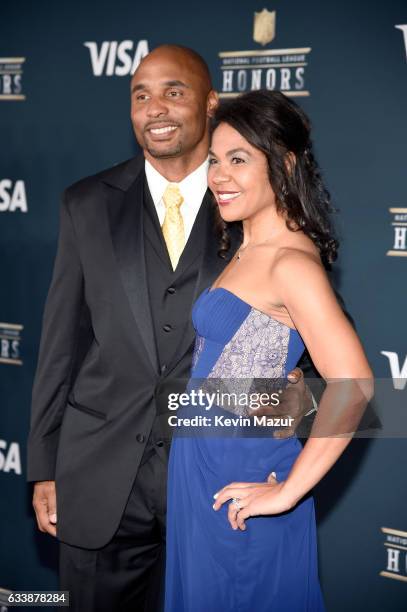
(262, 227)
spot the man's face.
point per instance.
(168, 106)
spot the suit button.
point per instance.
(140, 438)
(160, 443)
(163, 368)
(167, 328)
(171, 290)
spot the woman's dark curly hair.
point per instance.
(276, 125)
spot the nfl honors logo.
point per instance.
(10, 338)
(396, 554)
(399, 225)
(11, 74)
(403, 28)
(274, 69)
(264, 29)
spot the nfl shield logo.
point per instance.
(264, 26)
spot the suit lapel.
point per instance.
(158, 243)
(211, 266)
(125, 211)
(196, 242)
(126, 224)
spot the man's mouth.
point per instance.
(227, 196)
(162, 129)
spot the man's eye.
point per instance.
(237, 160)
(174, 93)
(141, 97)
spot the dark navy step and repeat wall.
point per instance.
(64, 114)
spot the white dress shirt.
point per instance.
(193, 188)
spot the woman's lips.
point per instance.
(225, 197)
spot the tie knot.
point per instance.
(172, 196)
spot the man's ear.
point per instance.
(212, 102)
(290, 161)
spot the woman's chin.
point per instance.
(230, 216)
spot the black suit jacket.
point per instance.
(98, 376)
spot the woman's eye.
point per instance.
(212, 161)
(237, 160)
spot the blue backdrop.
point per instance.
(64, 114)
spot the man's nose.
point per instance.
(156, 107)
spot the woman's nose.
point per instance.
(219, 175)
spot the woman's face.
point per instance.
(238, 175)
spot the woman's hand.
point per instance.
(254, 499)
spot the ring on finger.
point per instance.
(236, 502)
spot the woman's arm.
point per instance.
(336, 351)
(338, 355)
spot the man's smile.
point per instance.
(160, 131)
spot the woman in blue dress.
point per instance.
(241, 533)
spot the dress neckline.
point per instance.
(212, 290)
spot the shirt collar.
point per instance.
(192, 187)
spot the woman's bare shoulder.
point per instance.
(297, 254)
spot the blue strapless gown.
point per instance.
(272, 566)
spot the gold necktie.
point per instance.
(173, 225)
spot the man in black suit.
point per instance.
(117, 333)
